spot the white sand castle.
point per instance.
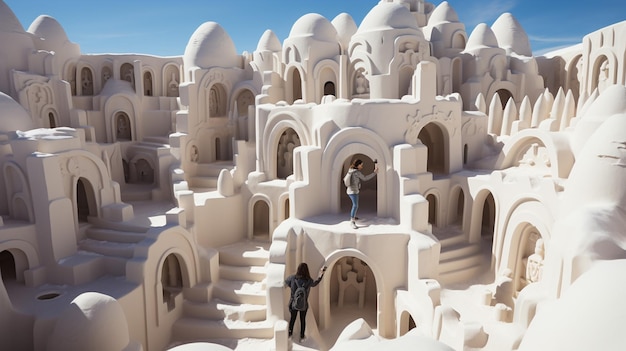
(154, 203)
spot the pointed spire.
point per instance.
(480, 103)
(525, 116)
(510, 115)
(495, 115)
(540, 111)
(569, 110)
(557, 106)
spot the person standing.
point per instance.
(355, 178)
(301, 281)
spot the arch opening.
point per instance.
(353, 293)
(432, 136)
(368, 194)
(171, 281)
(261, 220)
(288, 141)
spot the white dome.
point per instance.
(93, 321)
(482, 36)
(602, 158)
(269, 42)
(611, 102)
(388, 16)
(314, 25)
(8, 22)
(50, 30)
(589, 316)
(444, 13)
(13, 116)
(210, 46)
(346, 27)
(511, 36)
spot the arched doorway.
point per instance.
(171, 281)
(353, 294)
(488, 217)
(122, 127)
(261, 219)
(144, 172)
(7, 267)
(329, 89)
(217, 101)
(147, 84)
(86, 81)
(288, 141)
(602, 76)
(432, 136)
(530, 255)
(127, 73)
(51, 120)
(296, 86)
(85, 200)
(368, 195)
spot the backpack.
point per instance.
(299, 298)
(347, 179)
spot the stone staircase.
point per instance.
(208, 173)
(235, 307)
(104, 250)
(459, 260)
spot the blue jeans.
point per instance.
(355, 204)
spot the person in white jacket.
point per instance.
(356, 177)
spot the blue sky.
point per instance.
(163, 28)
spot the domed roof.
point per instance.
(8, 22)
(94, 322)
(612, 101)
(345, 26)
(210, 46)
(444, 13)
(13, 116)
(48, 28)
(314, 25)
(511, 36)
(388, 16)
(570, 323)
(601, 158)
(482, 36)
(269, 42)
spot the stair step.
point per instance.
(220, 310)
(242, 292)
(247, 253)
(194, 329)
(105, 234)
(459, 250)
(107, 248)
(255, 273)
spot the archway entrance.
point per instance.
(171, 280)
(288, 141)
(488, 217)
(432, 136)
(261, 220)
(530, 256)
(7, 266)
(85, 200)
(368, 195)
(353, 294)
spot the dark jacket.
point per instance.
(303, 282)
